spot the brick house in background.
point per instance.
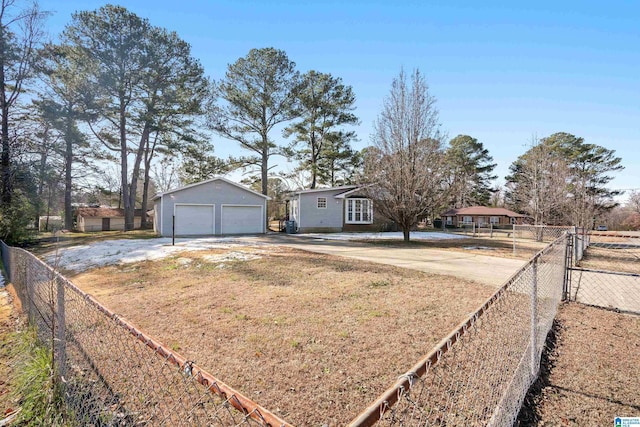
(483, 216)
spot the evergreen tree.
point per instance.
(470, 172)
(320, 143)
(257, 94)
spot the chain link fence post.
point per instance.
(534, 317)
(568, 262)
(29, 292)
(60, 335)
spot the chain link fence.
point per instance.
(481, 372)
(541, 233)
(608, 273)
(112, 374)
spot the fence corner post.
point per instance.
(568, 263)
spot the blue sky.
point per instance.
(503, 72)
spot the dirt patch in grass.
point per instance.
(498, 246)
(590, 370)
(313, 338)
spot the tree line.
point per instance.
(560, 180)
(119, 108)
(118, 90)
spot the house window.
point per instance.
(495, 220)
(467, 219)
(449, 220)
(322, 203)
(359, 211)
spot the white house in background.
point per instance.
(213, 207)
(104, 219)
(331, 210)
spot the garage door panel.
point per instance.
(193, 220)
(242, 220)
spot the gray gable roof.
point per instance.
(159, 195)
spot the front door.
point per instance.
(106, 224)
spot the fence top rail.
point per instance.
(373, 412)
(559, 227)
(239, 401)
(614, 234)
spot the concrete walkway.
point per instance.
(480, 268)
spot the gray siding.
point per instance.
(217, 192)
(311, 217)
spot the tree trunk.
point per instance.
(124, 170)
(6, 190)
(405, 233)
(265, 170)
(148, 155)
(314, 163)
(38, 201)
(68, 160)
(135, 173)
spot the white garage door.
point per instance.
(242, 219)
(192, 220)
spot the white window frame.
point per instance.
(449, 220)
(318, 202)
(351, 207)
(467, 219)
(494, 220)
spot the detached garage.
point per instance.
(213, 207)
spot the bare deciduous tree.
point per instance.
(404, 167)
(538, 184)
(634, 201)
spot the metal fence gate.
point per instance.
(606, 271)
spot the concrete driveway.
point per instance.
(480, 268)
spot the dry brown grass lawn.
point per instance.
(313, 338)
(591, 371)
(617, 254)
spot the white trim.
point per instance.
(158, 195)
(316, 190)
(353, 221)
(350, 192)
(299, 218)
(161, 215)
(326, 201)
(213, 212)
(263, 220)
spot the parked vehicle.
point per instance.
(602, 228)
